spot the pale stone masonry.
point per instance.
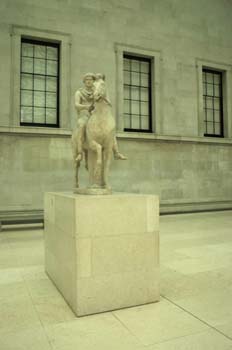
(102, 252)
(175, 161)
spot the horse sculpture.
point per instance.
(98, 143)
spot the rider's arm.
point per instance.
(78, 105)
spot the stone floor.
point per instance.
(195, 311)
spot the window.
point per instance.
(39, 83)
(213, 103)
(137, 93)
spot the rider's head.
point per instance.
(100, 76)
(89, 79)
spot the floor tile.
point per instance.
(101, 332)
(211, 307)
(201, 341)
(27, 339)
(159, 322)
(17, 314)
(42, 288)
(53, 310)
(225, 328)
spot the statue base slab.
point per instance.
(93, 190)
(102, 252)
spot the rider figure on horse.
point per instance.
(84, 104)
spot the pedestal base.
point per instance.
(102, 252)
(93, 191)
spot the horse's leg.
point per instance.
(77, 166)
(96, 169)
(75, 151)
(107, 161)
(86, 159)
(97, 148)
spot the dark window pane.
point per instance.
(26, 81)
(137, 111)
(217, 116)
(51, 84)
(26, 98)
(216, 90)
(135, 122)
(209, 102)
(135, 65)
(144, 80)
(39, 82)
(27, 50)
(39, 115)
(204, 89)
(135, 107)
(210, 128)
(126, 77)
(126, 106)
(204, 77)
(144, 123)
(135, 93)
(26, 114)
(40, 51)
(217, 79)
(51, 67)
(135, 78)
(209, 78)
(144, 108)
(216, 103)
(126, 92)
(210, 90)
(210, 115)
(212, 100)
(126, 63)
(50, 116)
(144, 94)
(217, 128)
(39, 66)
(27, 65)
(39, 90)
(39, 99)
(145, 67)
(127, 121)
(50, 100)
(52, 53)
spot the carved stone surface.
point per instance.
(94, 137)
(102, 252)
(92, 190)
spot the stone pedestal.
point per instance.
(102, 252)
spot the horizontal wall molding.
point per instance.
(35, 131)
(8, 217)
(57, 132)
(170, 138)
(194, 207)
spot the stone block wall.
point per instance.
(177, 163)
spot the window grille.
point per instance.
(39, 83)
(137, 93)
(213, 103)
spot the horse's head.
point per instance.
(100, 87)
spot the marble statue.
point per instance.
(94, 139)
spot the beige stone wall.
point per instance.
(182, 32)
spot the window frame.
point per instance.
(155, 58)
(226, 70)
(64, 40)
(44, 43)
(213, 71)
(142, 59)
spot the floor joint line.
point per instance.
(198, 318)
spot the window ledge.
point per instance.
(37, 131)
(170, 138)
